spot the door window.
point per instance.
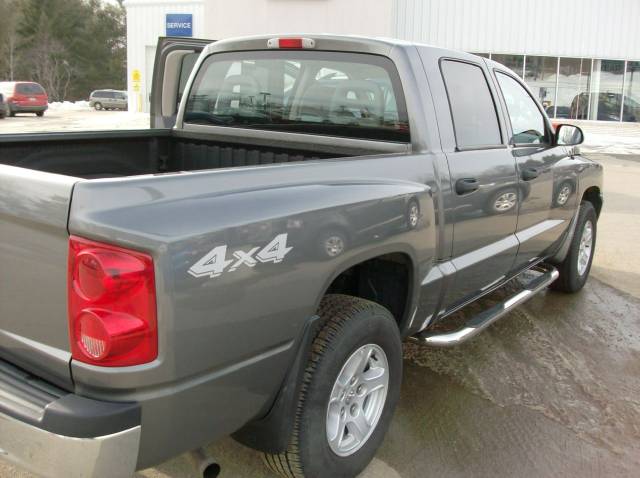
(472, 107)
(188, 62)
(527, 122)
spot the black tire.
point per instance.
(97, 105)
(570, 279)
(349, 323)
(11, 112)
(40, 114)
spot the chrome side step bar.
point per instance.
(487, 317)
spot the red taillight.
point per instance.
(112, 305)
(291, 43)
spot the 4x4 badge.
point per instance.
(215, 262)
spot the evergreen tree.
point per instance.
(69, 46)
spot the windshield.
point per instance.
(330, 93)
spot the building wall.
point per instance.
(577, 28)
(229, 18)
(586, 29)
(145, 23)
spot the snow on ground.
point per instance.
(608, 137)
(74, 117)
(69, 105)
(600, 137)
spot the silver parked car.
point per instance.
(108, 100)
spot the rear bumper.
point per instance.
(28, 108)
(55, 433)
(51, 455)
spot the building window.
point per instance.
(540, 74)
(579, 88)
(573, 89)
(606, 90)
(631, 111)
(514, 62)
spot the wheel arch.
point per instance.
(593, 194)
(386, 277)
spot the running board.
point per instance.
(487, 317)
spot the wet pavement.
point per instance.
(552, 389)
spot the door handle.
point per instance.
(466, 185)
(530, 173)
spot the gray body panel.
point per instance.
(33, 253)
(226, 342)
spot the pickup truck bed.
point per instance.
(129, 153)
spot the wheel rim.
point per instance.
(413, 215)
(357, 400)
(505, 201)
(586, 247)
(334, 245)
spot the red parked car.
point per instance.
(24, 97)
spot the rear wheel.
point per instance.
(40, 114)
(575, 268)
(350, 389)
(97, 106)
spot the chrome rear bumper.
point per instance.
(50, 455)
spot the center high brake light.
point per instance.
(291, 43)
(112, 305)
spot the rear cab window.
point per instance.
(350, 95)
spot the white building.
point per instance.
(581, 57)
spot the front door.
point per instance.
(547, 180)
(484, 182)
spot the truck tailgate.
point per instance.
(33, 271)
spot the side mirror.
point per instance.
(568, 135)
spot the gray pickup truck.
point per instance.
(252, 263)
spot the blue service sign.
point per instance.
(179, 25)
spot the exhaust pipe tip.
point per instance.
(205, 465)
(212, 470)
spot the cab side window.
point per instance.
(472, 108)
(527, 122)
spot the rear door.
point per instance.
(547, 177)
(483, 178)
(175, 58)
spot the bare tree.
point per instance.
(9, 16)
(49, 65)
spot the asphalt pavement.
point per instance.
(552, 389)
